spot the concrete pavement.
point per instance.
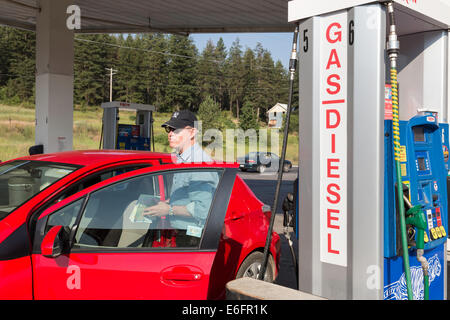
(263, 186)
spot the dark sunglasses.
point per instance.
(176, 131)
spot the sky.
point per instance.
(278, 44)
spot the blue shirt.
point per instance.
(193, 189)
(193, 154)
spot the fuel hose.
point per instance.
(292, 69)
(393, 48)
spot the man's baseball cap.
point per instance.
(181, 119)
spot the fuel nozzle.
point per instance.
(416, 218)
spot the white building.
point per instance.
(276, 114)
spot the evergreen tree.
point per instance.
(235, 79)
(111, 60)
(250, 78)
(91, 83)
(280, 80)
(181, 92)
(5, 56)
(154, 68)
(18, 64)
(266, 96)
(209, 113)
(220, 55)
(207, 73)
(129, 79)
(248, 119)
(157, 69)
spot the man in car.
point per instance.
(191, 193)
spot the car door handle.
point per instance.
(175, 276)
(182, 273)
(236, 215)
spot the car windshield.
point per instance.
(20, 180)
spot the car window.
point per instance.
(65, 216)
(98, 177)
(115, 215)
(21, 180)
(253, 156)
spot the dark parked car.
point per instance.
(262, 161)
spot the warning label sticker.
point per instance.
(402, 153)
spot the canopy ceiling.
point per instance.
(170, 16)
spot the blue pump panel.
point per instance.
(424, 167)
(128, 138)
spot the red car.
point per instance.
(72, 226)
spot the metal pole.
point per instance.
(111, 73)
(292, 69)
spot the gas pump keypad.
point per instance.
(435, 227)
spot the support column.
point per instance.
(341, 155)
(54, 77)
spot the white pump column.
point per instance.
(341, 63)
(341, 130)
(54, 77)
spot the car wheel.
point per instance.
(251, 267)
(286, 167)
(261, 168)
(243, 170)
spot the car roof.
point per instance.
(91, 157)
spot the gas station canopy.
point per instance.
(412, 15)
(169, 16)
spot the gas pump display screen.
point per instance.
(421, 162)
(419, 135)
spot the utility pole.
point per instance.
(111, 73)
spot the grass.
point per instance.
(17, 126)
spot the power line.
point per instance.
(146, 69)
(159, 52)
(137, 49)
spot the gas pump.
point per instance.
(364, 231)
(138, 136)
(424, 175)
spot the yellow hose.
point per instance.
(401, 206)
(395, 115)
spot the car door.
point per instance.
(117, 253)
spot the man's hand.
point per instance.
(158, 210)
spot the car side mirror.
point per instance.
(54, 241)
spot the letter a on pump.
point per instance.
(333, 139)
